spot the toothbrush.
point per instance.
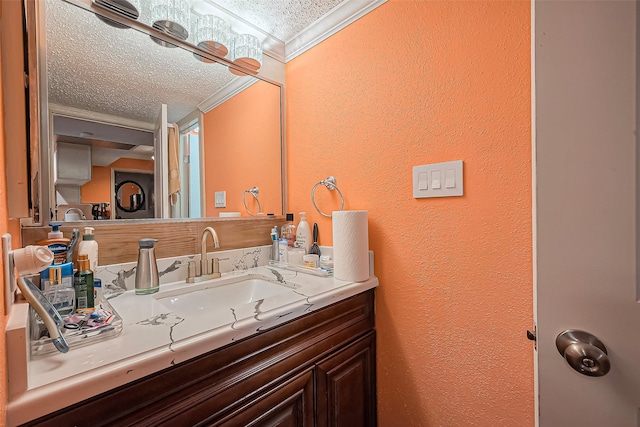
(72, 244)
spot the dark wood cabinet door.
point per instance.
(345, 390)
(288, 405)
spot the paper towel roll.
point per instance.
(350, 245)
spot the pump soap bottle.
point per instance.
(57, 243)
(88, 246)
(303, 235)
(289, 230)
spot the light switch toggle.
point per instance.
(443, 179)
(422, 181)
(450, 178)
(435, 180)
(220, 198)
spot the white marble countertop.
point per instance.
(154, 337)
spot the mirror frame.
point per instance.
(42, 191)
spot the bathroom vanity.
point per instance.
(316, 370)
(300, 351)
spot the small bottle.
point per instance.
(303, 236)
(60, 292)
(88, 246)
(283, 247)
(97, 291)
(83, 284)
(289, 230)
(275, 249)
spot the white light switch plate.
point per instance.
(221, 199)
(442, 180)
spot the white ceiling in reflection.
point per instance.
(95, 67)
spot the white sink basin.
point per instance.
(225, 292)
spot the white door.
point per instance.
(161, 164)
(586, 170)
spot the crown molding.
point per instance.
(227, 92)
(335, 20)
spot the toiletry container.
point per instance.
(310, 260)
(283, 252)
(57, 286)
(303, 235)
(83, 284)
(57, 243)
(295, 256)
(97, 291)
(147, 278)
(326, 262)
(289, 230)
(88, 246)
(275, 250)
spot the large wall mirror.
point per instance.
(117, 104)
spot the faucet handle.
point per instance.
(215, 266)
(191, 272)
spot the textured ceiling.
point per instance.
(95, 67)
(284, 18)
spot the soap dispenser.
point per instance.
(147, 279)
(57, 243)
(303, 236)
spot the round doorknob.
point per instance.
(584, 352)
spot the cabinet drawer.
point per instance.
(290, 404)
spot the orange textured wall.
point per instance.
(98, 190)
(242, 150)
(411, 83)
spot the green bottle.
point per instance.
(83, 284)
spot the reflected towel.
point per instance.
(174, 169)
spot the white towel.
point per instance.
(174, 169)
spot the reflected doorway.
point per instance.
(133, 195)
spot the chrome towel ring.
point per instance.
(254, 192)
(330, 183)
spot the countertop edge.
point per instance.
(37, 402)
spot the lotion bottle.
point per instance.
(57, 243)
(303, 234)
(88, 246)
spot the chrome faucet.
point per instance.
(206, 271)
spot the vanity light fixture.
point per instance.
(247, 52)
(121, 7)
(213, 34)
(172, 18)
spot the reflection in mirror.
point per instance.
(120, 96)
(129, 196)
(133, 194)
